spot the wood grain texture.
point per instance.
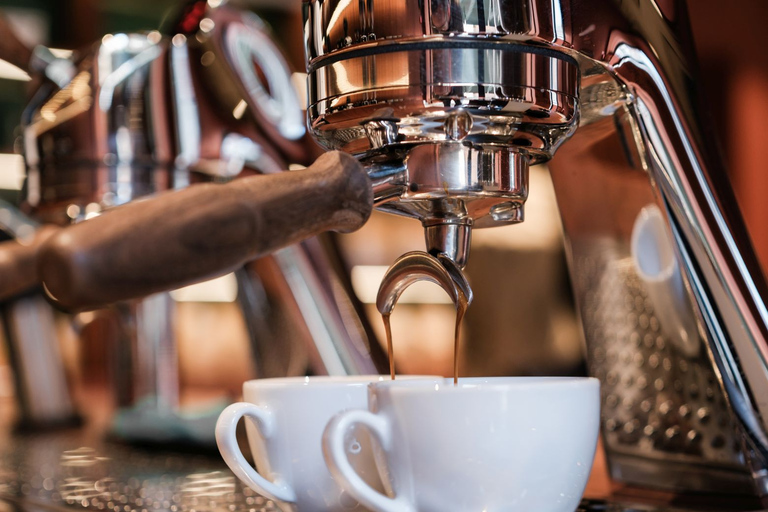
(18, 264)
(178, 238)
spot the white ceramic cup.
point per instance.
(492, 444)
(286, 418)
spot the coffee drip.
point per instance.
(461, 309)
(421, 266)
(390, 350)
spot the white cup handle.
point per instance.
(226, 439)
(345, 475)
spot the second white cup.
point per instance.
(516, 444)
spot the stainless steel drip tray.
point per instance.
(77, 469)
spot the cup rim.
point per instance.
(329, 380)
(475, 384)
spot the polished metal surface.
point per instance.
(484, 92)
(656, 400)
(337, 341)
(154, 363)
(451, 239)
(92, 144)
(607, 91)
(250, 120)
(43, 392)
(59, 70)
(487, 186)
(78, 470)
(99, 141)
(421, 266)
(416, 103)
(246, 43)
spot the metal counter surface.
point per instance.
(79, 468)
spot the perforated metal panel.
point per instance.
(657, 401)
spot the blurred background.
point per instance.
(522, 294)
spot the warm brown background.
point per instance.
(730, 39)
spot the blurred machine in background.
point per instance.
(139, 113)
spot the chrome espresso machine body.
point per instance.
(448, 102)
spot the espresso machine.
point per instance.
(447, 104)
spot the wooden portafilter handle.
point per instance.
(178, 238)
(18, 263)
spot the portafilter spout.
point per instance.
(417, 266)
(420, 266)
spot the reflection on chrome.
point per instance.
(76, 490)
(207, 491)
(80, 458)
(85, 474)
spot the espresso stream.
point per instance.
(461, 308)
